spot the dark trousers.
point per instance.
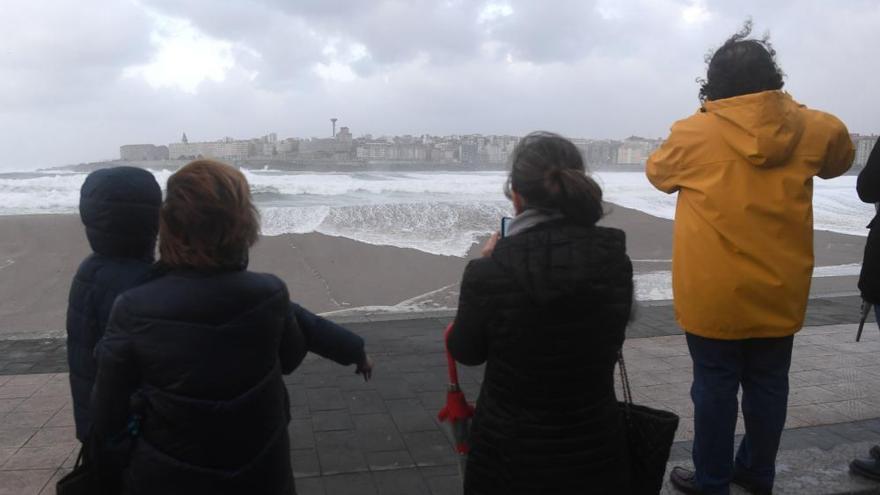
(761, 367)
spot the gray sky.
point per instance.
(78, 78)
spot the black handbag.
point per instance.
(649, 434)
(82, 480)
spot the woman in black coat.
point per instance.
(545, 308)
(189, 396)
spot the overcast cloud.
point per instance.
(79, 78)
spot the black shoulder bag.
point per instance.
(649, 434)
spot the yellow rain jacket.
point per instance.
(743, 167)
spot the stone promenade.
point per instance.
(383, 437)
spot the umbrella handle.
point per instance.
(450, 362)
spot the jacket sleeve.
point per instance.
(840, 153)
(117, 379)
(467, 342)
(327, 339)
(664, 166)
(293, 343)
(868, 184)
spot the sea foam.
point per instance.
(436, 212)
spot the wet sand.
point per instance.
(39, 255)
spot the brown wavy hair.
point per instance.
(208, 220)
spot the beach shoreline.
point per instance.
(342, 278)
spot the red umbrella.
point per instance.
(457, 412)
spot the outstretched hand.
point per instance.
(365, 367)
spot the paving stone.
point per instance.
(350, 484)
(325, 399)
(50, 457)
(430, 448)
(364, 401)
(49, 489)
(445, 485)
(301, 434)
(403, 482)
(26, 419)
(63, 417)
(377, 433)
(332, 420)
(15, 437)
(24, 482)
(310, 486)
(62, 435)
(415, 420)
(392, 460)
(305, 463)
(338, 452)
(393, 388)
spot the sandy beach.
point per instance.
(39, 255)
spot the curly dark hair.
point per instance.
(741, 66)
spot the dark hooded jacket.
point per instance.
(868, 187)
(192, 365)
(120, 210)
(547, 314)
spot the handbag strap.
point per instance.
(79, 457)
(624, 379)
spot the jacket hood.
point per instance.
(120, 209)
(763, 128)
(557, 261)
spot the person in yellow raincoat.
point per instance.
(742, 262)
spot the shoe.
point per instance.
(684, 480)
(869, 468)
(875, 452)
(749, 485)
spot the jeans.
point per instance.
(761, 367)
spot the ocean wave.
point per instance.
(436, 212)
(448, 229)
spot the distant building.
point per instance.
(225, 149)
(601, 152)
(142, 152)
(375, 150)
(864, 145)
(636, 150)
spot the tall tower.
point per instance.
(184, 140)
(333, 120)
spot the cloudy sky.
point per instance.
(80, 77)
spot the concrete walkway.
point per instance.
(383, 437)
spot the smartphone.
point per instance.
(505, 224)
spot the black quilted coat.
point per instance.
(868, 186)
(192, 363)
(120, 210)
(547, 314)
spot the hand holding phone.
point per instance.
(505, 225)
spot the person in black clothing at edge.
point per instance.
(546, 308)
(189, 397)
(868, 187)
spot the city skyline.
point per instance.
(343, 147)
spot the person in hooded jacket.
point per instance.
(743, 168)
(868, 188)
(546, 309)
(189, 396)
(119, 208)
